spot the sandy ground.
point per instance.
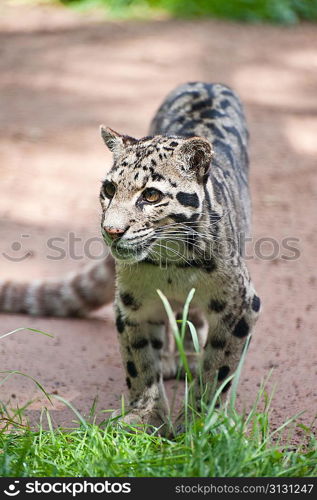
(62, 75)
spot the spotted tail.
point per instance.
(76, 295)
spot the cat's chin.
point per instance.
(129, 255)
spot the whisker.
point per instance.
(175, 252)
(198, 223)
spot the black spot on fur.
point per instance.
(192, 240)
(205, 178)
(174, 144)
(179, 217)
(215, 130)
(132, 369)
(227, 353)
(225, 103)
(120, 324)
(223, 372)
(216, 305)
(189, 127)
(169, 281)
(149, 382)
(158, 377)
(156, 343)
(156, 323)
(128, 381)
(140, 344)
(211, 113)
(241, 329)
(129, 301)
(256, 303)
(188, 199)
(150, 262)
(228, 92)
(156, 176)
(205, 103)
(207, 266)
(214, 216)
(218, 343)
(184, 218)
(136, 176)
(193, 218)
(172, 183)
(194, 94)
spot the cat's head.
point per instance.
(153, 191)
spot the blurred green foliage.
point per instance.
(275, 11)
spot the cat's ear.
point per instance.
(196, 153)
(112, 139)
(115, 141)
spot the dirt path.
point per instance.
(61, 76)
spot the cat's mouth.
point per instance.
(128, 252)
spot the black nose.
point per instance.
(113, 232)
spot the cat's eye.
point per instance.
(109, 189)
(152, 195)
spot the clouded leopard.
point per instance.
(174, 207)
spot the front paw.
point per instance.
(146, 420)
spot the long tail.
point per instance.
(75, 295)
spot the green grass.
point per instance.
(216, 443)
(274, 11)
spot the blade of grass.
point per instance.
(71, 407)
(17, 372)
(28, 329)
(237, 374)
(194, 336)
(50, 426)
(185, 312)
(178, 339)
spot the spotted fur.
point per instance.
(174, 207)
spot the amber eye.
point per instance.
(109, 189)
(152, 195)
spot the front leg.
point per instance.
(141, 343)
